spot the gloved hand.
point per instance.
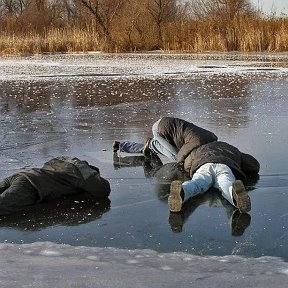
(180, 166)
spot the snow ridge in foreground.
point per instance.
(46, 264)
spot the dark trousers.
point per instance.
(16, 193)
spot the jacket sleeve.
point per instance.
(193, 140)
(184, 151)
(249, 165)
(97, 186)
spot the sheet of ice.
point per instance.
(45, 264)
(72, 101)
(135, 65)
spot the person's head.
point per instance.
(94, 168)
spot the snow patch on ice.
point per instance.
(34, 265)
(284, 271)
(50, 253)
(94, 258)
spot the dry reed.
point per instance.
(243, 34)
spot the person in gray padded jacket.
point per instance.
(219, 165)
(172, 137)
(58, 177)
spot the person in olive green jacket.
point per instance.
(58, 177)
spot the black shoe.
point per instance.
(147, 152)
(241, 197)
(240, 221)
(176, 196)
(176, 221)
(116, 146)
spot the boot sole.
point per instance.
(174, 199)
(241, 197)
(146, 150)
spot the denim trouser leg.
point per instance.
(159, 145)
(224, 180)
(217, 175)
(201, 181)
(131, 147)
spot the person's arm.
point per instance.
(249, 165)
(184, 151)
(194, 140)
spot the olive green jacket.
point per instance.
(66, 175)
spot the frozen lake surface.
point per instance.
(78, 104)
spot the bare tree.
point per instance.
(161, 11)
(235, 7)
(104, 12)
(225, 9)
(68, 9)
(15, 7)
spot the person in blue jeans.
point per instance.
(165, 174)
(209, 162)
(218, 165)
(172, 137)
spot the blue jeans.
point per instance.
(160, 145)
(216, 175)
(131, 147)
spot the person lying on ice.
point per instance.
(58, 177)
(219, 165)
(172, 137)
(209, 162)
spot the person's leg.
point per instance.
(163, 147)
(159, 145)
(224, 181)
(19, 195)
(201, 181)
(231, 189)
(180, 192)
(131, 147)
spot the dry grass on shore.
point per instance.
(243, 35)
(54, 40)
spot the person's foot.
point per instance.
(147, 152)
(240, 196)
(176, 196)
(176, 221)
(240, 221)
(116, 146)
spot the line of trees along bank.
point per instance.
(35, 26)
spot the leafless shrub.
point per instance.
(36, 26)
